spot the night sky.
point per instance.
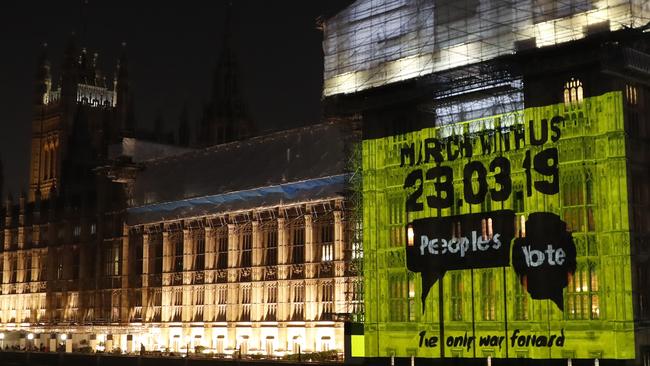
(172, 49)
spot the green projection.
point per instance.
(566, 162)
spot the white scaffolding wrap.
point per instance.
(376, 42)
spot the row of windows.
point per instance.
(49, 161)
(33, 267)
(42, 234)
(296, 301)
(582, 297)
(324, 234)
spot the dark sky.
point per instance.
(172, 49)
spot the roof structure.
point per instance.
(291, 166)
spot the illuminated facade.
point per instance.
(505, 176)
(54, 234)
(212, 259)
(259, 261)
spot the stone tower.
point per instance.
(84, 112)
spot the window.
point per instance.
(326, 300)
(155, 314)
(325, 238)
(521, 299)
(111, 261)
(578, 202)
(176, 239)
(590, 203)
(136, 242)
(222, 303)
(488, 295)
(46, 159)
(583, 300)
(42, 268)
(199, 253)
(411, 298)
(198, 301)
(396, 221)
(297, 244)
(271, 302)
(355, 298)
(271, 246)
(573, 93)
(397, 290)
(246, 247)
(222, 248)
(245, 302)
(298, 301)
(631, 94)
(177, 309)
(156, 248)
(76, 233)
(28, 268)
(456, 292)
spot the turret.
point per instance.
(122, 94)
(226, 117)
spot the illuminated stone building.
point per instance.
(54, 233)
(449, 92)
(122, 243)
(250, 248)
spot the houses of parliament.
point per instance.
(237, 243)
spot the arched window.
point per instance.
(46, 162)
(583, 300)
(53, 162)
(573, 92)
(631, 94)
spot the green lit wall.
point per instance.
(490, 304)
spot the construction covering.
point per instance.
(142, 150)
(377, 42)
(293, 166)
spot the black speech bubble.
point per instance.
(545, 277)
(459, 242)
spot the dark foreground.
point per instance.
(21, 358)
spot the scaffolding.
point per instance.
(377, 42)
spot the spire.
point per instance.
(122, 92)
(43, 78)
(226, 116)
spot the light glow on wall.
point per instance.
(377, 42)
